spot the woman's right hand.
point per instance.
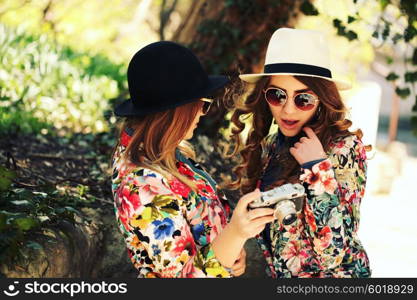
(248, 223)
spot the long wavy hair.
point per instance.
(156, 138)
(329, 123)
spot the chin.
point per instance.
(290, 133)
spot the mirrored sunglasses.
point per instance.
(278, 97)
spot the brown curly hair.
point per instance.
(329, 123)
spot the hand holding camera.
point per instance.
(248, 223)
(286, 200)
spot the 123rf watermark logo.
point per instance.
(12, 290)
(71, 289)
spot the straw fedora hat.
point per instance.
(297, 52)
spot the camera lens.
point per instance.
(289, 219)
(285, 212)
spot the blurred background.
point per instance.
(62, 70)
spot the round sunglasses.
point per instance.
(278, 97)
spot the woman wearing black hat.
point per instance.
(173, 218)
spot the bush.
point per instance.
(44, 83)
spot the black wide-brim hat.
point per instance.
(165, 75)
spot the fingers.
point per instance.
(303, 139)
(260, 229)
(248, 198)
(262, 221)
(310, 133)
(241, 262)
(296, 145)
(242, 254)
(239, 266)
(260, 212)
(239, 271)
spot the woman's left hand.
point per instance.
(239, 266)
(308, 148)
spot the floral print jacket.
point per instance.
(167, 227)
(323, 241)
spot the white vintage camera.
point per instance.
(287, 200)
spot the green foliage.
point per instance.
(385, 32)
(384, 3)
(342, 31)
(403, 92)
(414, 124)
(43, 83)
(414, 109)
(410, 32)
(351, 19)
(414, 57)
(53, 194)
(24, 212)
(410, 77)
(20, 121)
(392, 76)
(6, 177)
(308, 9)
(226, 34)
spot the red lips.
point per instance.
(289, 124)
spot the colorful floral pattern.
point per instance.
(167, 227)
(323, 241)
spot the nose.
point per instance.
(289, 106)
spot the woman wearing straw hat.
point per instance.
(312, 147)
(169, 210)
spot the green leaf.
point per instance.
(351, 35)
(410, 76)
(414, 57)
(392, 76)
(337, 23)
(71, 209)
(34, 245)
(11, 216)
(414, 109)
(43, 218)
(403, 92)
(169, 211)
(26, 223)
(414, 122)
(386, 31)
(21, 202)
(383, 3)
(351, 19)
(396, 38)
(162, 200)
(410, 32)
(308, 9)
(6, 178)
(42, 194)
(3, 223)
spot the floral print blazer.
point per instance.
(323, 241)
(168, 228)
